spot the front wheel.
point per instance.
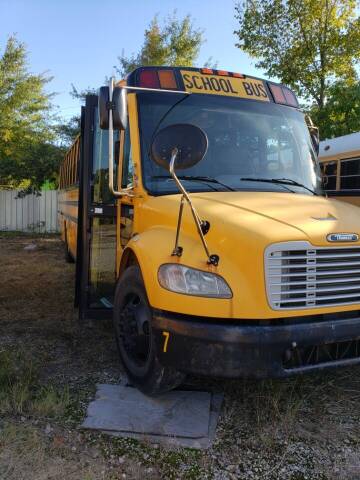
(135, 340)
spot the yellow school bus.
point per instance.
(340, 166)
(68, 199)
(204, 232)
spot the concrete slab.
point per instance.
(181, 418)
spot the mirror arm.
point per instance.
(212, 259)
(177, 252)
(158, 90)
(124, 191)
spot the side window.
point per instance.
(350, 174)
(127, 179)
(329, 174)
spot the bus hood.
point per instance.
(271, 215)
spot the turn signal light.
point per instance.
(167, 79)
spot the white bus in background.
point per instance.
(340, 165)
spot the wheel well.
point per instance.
(128, 258)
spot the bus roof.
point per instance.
(347, 145)
(211, 81)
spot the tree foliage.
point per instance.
(176, 42)
(68, 130)
(341, 113)
(27, 149)
(307, 44)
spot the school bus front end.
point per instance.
(230, 261)
(294, 297)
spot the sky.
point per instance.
(78, 42)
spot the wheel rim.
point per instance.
(134, 330)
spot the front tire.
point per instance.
(135, 340)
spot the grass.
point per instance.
(9, 234)
(20, 390)
(298, 428)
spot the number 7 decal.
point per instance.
(166, 341)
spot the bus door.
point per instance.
(96, 247)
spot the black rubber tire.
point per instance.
(152, 378)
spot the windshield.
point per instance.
(248, 140)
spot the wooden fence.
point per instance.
(31, 213)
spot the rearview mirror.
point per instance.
(190, 141)
(119, 108)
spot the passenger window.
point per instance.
(350, 174)
(329, 175)
(127, 167)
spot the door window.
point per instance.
(100, 174)
(128, 167)
(102, 261)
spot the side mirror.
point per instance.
(190, 141)
(119, 108)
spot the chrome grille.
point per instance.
(299, 275)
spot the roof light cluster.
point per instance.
(165, 78)
(283, 95)
(158, 79)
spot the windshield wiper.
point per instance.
(280, 181)
(198, 178)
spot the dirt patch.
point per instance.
(300, 428)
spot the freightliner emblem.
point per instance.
(342, 237)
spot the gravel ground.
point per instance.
(300, 428)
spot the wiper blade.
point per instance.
(290, 181)
(206, 179)
(280, 181)
(198, 178)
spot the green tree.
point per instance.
(341, 113)
(176, 42)
(68, 130)
(28, 154)
(307, 44)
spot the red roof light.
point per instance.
(149, 79)
(278, 94)
(290, 97)
(283, 95)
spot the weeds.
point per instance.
(20, 391)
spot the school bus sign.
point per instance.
(249, 88)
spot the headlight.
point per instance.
(181, 279)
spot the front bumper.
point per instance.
(257, 349)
